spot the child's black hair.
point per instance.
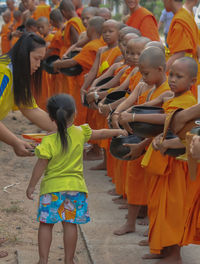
(61, 107)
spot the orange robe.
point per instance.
(167, 185)
(145, 21)
(5, 42)
(46, 83)
(42, 10)
(136, 184)
(191, 233)
(86, 59)
(15, 26)
(183, 27)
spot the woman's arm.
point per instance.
(40, 118)
(38, 171)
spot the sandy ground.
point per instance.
(18, 214)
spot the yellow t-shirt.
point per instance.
(64, 171)
(6, 88)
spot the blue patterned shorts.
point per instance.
(66, 206)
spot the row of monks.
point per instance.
(132, 55)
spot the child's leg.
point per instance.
(44, 241)
(70, 239)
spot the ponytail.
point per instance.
(61, 120)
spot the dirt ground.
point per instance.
(18, 214)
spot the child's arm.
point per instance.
(159, 100)
(59, 64)
(73, 35)
(107, 133)
(37, 173)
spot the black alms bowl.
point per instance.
(173, 152)
(104, 81)
(118, 150)
(195, 131)
(114, 96)
(146, 130)
(72, 71)
(48, 64)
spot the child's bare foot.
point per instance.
(123, 206)
(125, 229)
(101, 166)
(146, 233)
(153, 256)
(112, 192)
(143, 243)
(3, 254)
(143, 222)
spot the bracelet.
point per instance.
(133, 116)
(110, 107)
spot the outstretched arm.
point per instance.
(107, 133)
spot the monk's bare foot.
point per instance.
(123, 206)
(112, 192)
(170, 260)
(101, 166)
(153, 256)
(143, 222)
(3, 254)
(125, 229)
(146, 233)
(143, 243)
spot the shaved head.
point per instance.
(126, 30)
(104, 12)
(90, 9)
(43, 20)
(157, 44)
(190, 64)
(142, 40)
(111, 22)
(97, 23)
(129, 36)
(56, 15)
(67, 6)
(153, 57)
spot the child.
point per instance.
(31, 25)
(63, 192)
(16, 34)
(5, 32)
(104, 12)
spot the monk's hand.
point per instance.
(114, 118)
(93, 105)
(159, 144)
(135, 152)
(23, 148)
(29, 192)
(124, 119)
(57, 65)
(91, 97)
(195, 147)
(104, 109)
(83, 95)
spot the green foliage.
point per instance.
(117, 17)
(155, 6)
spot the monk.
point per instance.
(42, 10)
(5, 32)
(78, 6)
(11, 7)
(143, 20)
(43, 28)
(31, 25)
(16, 34)
(169, 177)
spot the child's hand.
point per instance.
(123, 132)
(124, 121)
(195, 147)
(29, 192)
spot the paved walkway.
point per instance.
(103, 246)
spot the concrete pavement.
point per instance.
(103, 246)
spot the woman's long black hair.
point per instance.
(61, 107)
(22, 78)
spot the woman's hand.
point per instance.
(29, 192)
(195, 147)
(23, 148)
(136, 151)
(123, 132)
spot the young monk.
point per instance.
(15, 34)
(11, 7)
(104, 12)
(42, 10)
(168, 179)
(43, 28)
(142, 19)
(31, 25)
(5, 32)
(78, 6)
(135, 185)
(85, 58)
